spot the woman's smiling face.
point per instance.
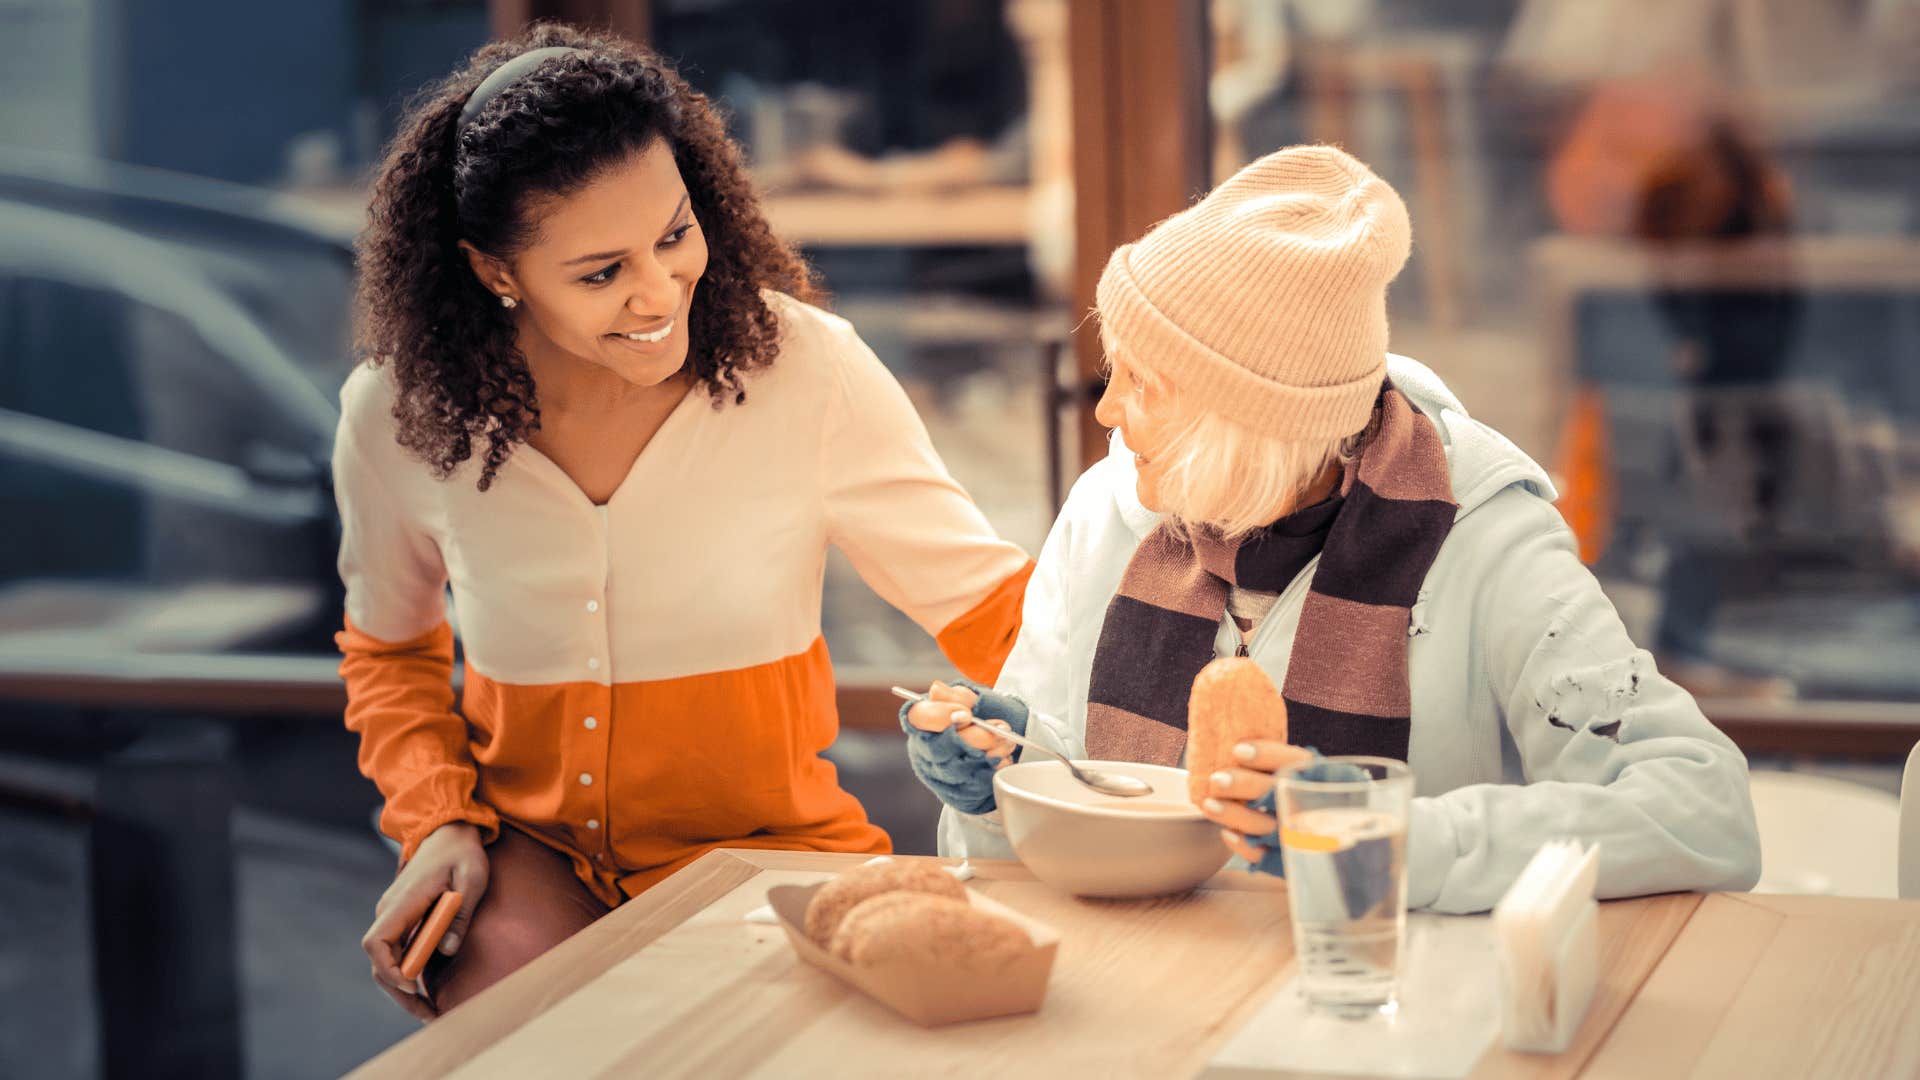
(1140, 414)
(610, 275)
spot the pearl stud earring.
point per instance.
(509, 303)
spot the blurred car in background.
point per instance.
(170, 352)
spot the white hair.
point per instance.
(1221, 475)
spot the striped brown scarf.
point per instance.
(1346, 688)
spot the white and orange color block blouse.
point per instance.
(646, 680)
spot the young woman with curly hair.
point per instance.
(599, 407)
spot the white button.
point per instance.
(593, 823)
(591, 723)
(593, 663)
(593, 605)
(586, 779)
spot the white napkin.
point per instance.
(1549, 947)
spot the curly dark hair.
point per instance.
(460, 372)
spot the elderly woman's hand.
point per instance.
(957, 763)
(947, 705)
(1251, 831)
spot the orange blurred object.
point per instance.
(1586, 474)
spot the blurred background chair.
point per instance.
(1823, 836)
(1910, 828)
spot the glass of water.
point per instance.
(1343, 837)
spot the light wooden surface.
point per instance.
(962, 217)
(677, 984)
(1634, 936)
(1764, 986)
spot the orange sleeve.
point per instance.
(1586, 474)
(397, 647)
(978, 642)
(413, 746)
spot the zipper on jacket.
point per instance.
(1264, 629)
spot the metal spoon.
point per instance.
(1106, 783)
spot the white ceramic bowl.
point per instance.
(1089, 844)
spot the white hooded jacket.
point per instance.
(1534, 716)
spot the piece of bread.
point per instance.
(1232, 701)
(842, 894)
(935, 932)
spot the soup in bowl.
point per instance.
(1089, 844)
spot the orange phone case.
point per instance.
(427, 937)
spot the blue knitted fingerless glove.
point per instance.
(961, 775)
(1269, 843)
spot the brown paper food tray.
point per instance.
(931, 997)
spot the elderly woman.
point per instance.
(1281, 487)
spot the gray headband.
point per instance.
(506, 75)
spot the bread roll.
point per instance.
(934, 932)
(1232, 701)
(839, 896)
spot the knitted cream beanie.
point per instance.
(1266, 301)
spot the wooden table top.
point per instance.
(677, 983)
